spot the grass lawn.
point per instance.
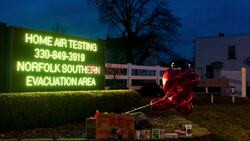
(226, 121)
(171, 121)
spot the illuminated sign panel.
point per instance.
(43, 61)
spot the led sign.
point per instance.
(43, 61)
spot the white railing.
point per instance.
(129, 77)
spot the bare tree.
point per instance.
(59, 28)
(147, 26)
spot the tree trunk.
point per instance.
(129, 47)
(129, 55)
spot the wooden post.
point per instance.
(212, 96)
(206, 90)
(243, 82)
(212, 99)
(233, 99)
(3, 57)
(129, 74)
(157, 74)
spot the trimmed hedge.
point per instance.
(44, 109)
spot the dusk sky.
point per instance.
(199, 18)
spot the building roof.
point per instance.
(224, 36)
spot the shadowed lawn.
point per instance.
(226, 121)
(171, 121)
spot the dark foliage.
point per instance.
(151, 90)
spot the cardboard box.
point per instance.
(111, 126)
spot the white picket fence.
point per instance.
(129, 77)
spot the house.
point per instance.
(223, 56)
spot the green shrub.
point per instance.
(43, 109)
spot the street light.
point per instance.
(172, 65)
